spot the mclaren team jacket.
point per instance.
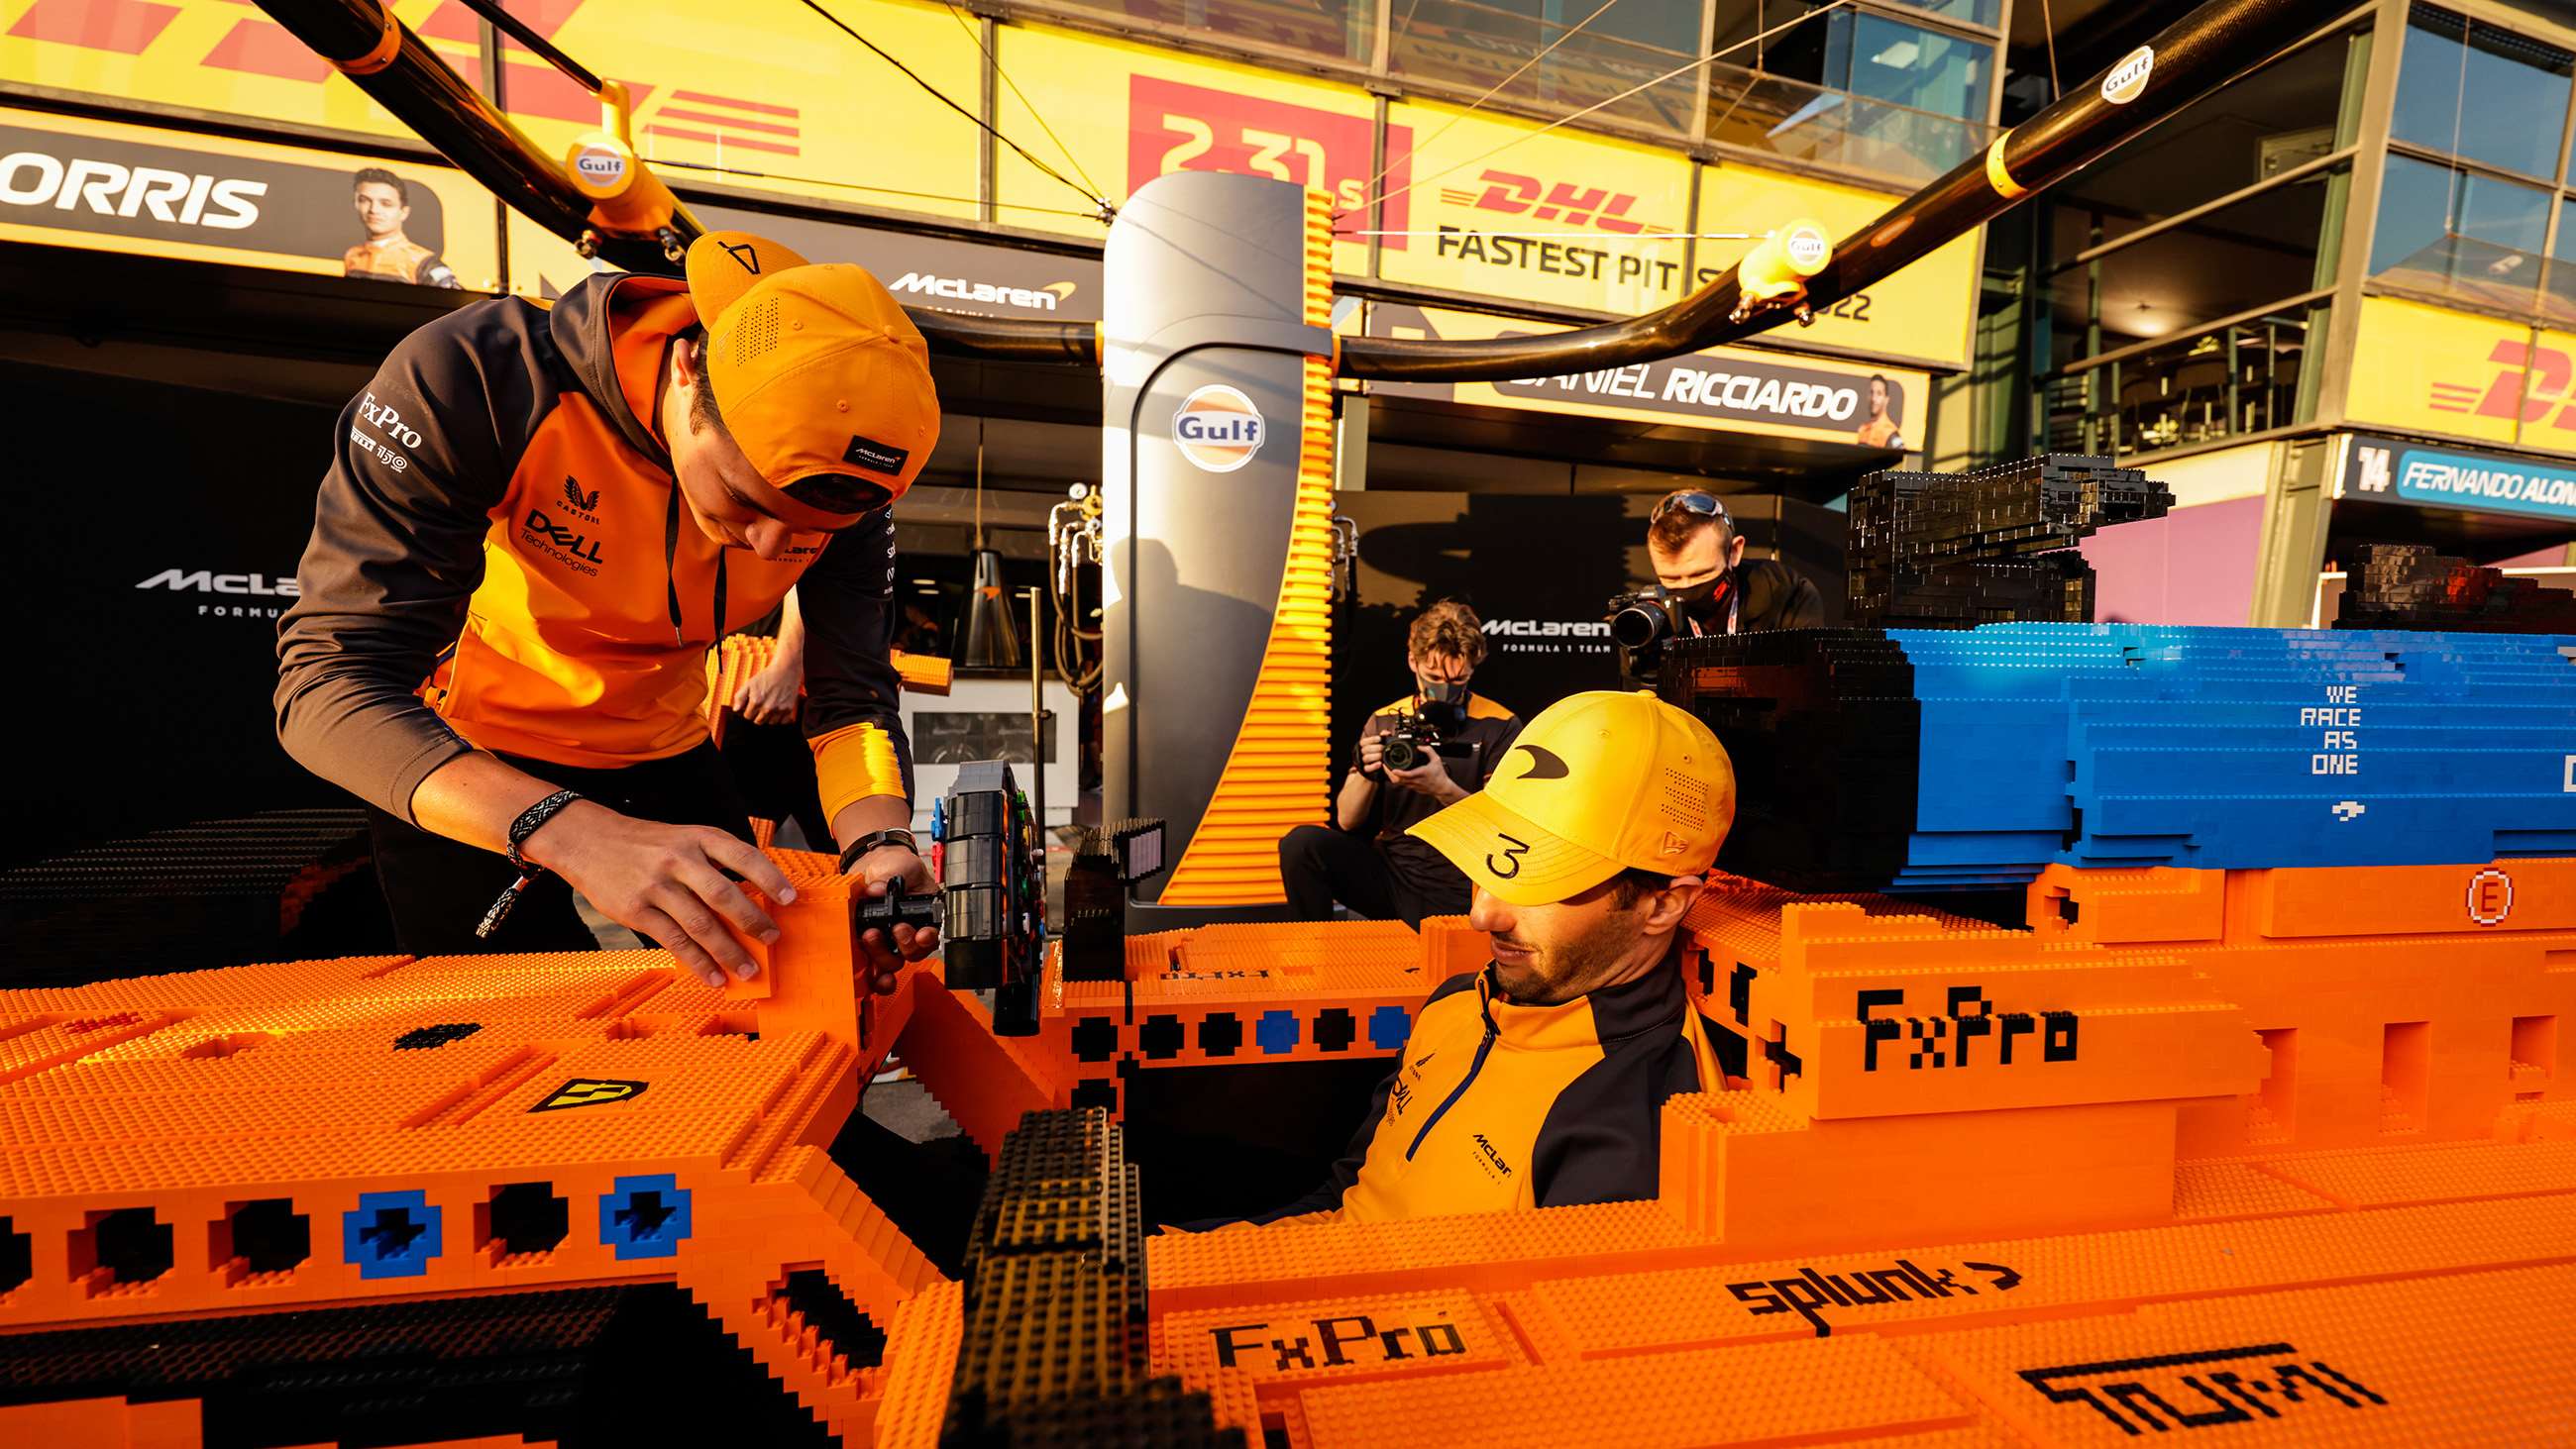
(500, 559)
(1495, 1106)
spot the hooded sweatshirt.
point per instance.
(501, 560)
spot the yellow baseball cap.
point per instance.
(1598, 783)
(822, 380)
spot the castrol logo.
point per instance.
(1217, 428)
(2129, 77)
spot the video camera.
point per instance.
(1418, 737)
(1641, 624)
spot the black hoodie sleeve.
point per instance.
(423, 455)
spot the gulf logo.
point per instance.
(1217, 428)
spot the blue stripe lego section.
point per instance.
(1389, 1025)
(392, 1234)
(645, 1217)
(1277, 1031)
(2140, 745)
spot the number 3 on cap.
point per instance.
(1512, 856)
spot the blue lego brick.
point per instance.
(2141, 745)
(1389, 1025)
(392, 1234)
(1277, 1032)
(647, 1216)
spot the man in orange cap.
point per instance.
(1539, 1081)
(535, 522)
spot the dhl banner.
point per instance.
(2438, 371)
(1558, 219)
(1922, 313)
(765, 95)
(1130, 113)
(72, 182)
(1734, 389)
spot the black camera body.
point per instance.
(1641, 624)
(1421, 736)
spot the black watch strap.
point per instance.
(875, 838)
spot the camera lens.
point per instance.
(1637, 626)
(1401, 753)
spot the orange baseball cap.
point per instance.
(1598, 783)
(821, 379)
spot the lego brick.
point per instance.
(1926, 760)
(2451, 1173)
(2409, 586)
(1770, 1393)
(1890, 1290)
(2471, 1358)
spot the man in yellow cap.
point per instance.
(535, 521)
(1539, 1080)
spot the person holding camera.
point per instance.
(1415, 757)
(1699, 560)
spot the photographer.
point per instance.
(1699, 559)
(1365, 859)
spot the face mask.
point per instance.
(1439, 691)
(1705, 602)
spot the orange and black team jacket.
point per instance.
(1495, 1106)
(501, 560)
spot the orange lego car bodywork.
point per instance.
(2287, 1148)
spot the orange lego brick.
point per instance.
(2217, 1191)
(1886, 1290)
(2450, 1173)
(2477, 1358)
(102, 1423)
(1787, 1393)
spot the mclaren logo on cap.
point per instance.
(1544, 764)
(1217, 428)
(877, 457)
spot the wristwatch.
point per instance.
(860, 847)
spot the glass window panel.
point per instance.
(2237, 258)
(2269, 122)
(2428, 79)
(2558, 298)
(2459, 234)
(1475, 44)
(1334, 29)
(1975, 12)
(2481, 92)
(1808, 122)
(2515, 94)
(1927, 70)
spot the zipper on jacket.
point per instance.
(1482, 1048)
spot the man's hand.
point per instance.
(769, 697)
(881, 959)
(1373, 753)
(1431, 778)
(667, 882)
